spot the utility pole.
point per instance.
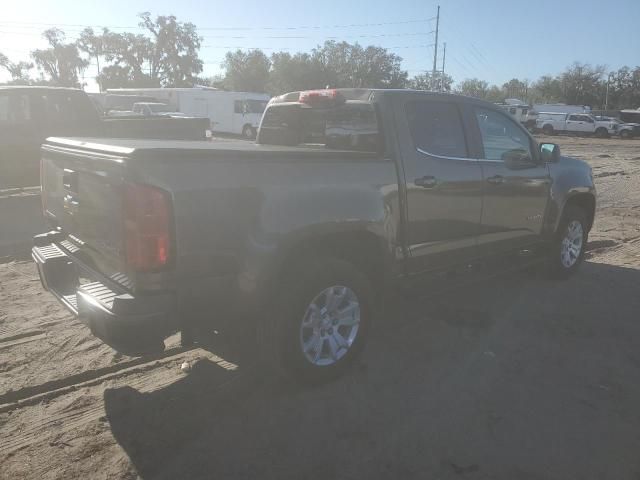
(444, 56)
(435, 52)
(606, 97)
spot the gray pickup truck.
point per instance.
(344, 194)
(28, 115)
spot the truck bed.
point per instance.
(133, 148)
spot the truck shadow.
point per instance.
(427, 400)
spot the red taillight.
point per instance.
(320, 97)
(147, 214)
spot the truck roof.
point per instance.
(38, 87)
(365, 94)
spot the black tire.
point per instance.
(557, 268)
(279, 337)
(548, 130)
(625, 134)
(602, 133)
(249, 132)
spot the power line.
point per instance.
(244, 47)
(291, 27)
(274, 37)
(307, 37)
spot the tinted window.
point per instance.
(502, 138)
(574, 117)
(436, 128)
(237, 106)
(66, 108)
(349, 126)
(14, 109)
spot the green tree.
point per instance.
(427, 81)
(93, 45)
(295, 72)
(19, 71)
(174, 47)
(473, 87)
(347, 65)
(624, 88)
(582, 84)
(61, 62)
(495, 94)
(167, 57)
(515, 88)
(247, 71)
(546, 89)
(128, 55)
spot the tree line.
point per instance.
(167, 54)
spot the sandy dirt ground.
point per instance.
(515, 378)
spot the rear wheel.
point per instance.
(319, 323)
(625, 134)
(249, 132)
(548, 130)
(568, 248)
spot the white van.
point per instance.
(229, 112)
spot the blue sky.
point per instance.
(495, 40)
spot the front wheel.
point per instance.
(625, 134)
(602, 133)
(319, 323)
(568, 248)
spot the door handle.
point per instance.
(428, 181)
(496, 179)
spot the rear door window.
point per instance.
(437, 129)
(67, 108)
(352, 125)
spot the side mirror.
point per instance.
(549, 152)
(517, 159)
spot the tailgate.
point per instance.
(82, 195)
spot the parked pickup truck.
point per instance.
(346, 193)
(28, 115)
(624, 130)
(576, 123)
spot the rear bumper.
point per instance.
(131, 325)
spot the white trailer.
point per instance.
(519, 110)
(560, 108)
(229, 112)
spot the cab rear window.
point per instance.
(352, 125)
